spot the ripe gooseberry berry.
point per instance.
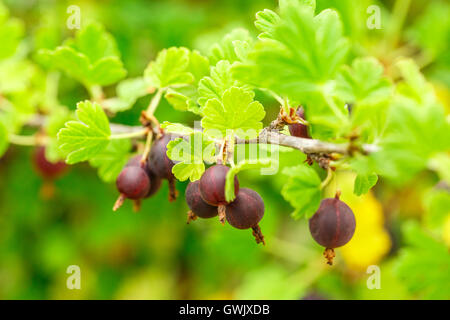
(45, 168)
(246, 211)
(160, 164)
(212, 188)
(133, 183)
(333, 225)
(199, 208)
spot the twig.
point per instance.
(267, 136)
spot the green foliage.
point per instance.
(303, 53)
(364, 182)
(87, 137)
(112, 159)
(190, 155)
(353, 83)
(170, 68)
(302, 190)
(91, 57)
(185, 97)
(128, 91)
(363, 82)
(437, 205)
(235, 113)
(215, 85)
(423, 265)
(233, 47)
(3, 139)
(11, 33)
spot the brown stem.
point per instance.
(259, 237)
(267, 136)
(119, 202)
(191, 217)
(173, 193)
(136, 205)
(222, 213)
(329, 255)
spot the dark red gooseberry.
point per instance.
(298, 129)
(333, 225)
(158, 160)
(132, 183)
(246, 211)
(199, 208)
(155, 182)
(46, 168)
(212, 185)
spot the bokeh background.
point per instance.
(153, 254)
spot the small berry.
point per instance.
(155, 182)
(199, 208)
(160, 164)
(132, 183)
(246, 211)
(158, 160)
(333, 225)
(298, 129)
(212, 188)
(46, 168)
(212, 185)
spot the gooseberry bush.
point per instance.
(345, 110)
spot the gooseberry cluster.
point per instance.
(142, 176)
(206, 199)
(332, 226)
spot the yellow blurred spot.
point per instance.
(446, 233)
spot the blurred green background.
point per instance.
(153, 254)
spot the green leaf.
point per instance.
(266, 21)
(302, 190)
(363, 82)
(4, 143)
(87, 137)
(128, 92)
(73, 63)
(185, 97)
(112, 160)
(304, 52)
(227, 48)
(198, 65)
(236, 111)
(95, 43)
(91, 57)
(11, 33)
(421, 255)
(170, 68)
(243, 165)
(15, 75)
(414, 88)
(437, 207)
(427, 34)
(106, 71)
(364, 182)
(177, 128)
(55, 122)
(215, 85)
(413, 135)
(190, 155)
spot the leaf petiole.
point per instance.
(129, 135)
